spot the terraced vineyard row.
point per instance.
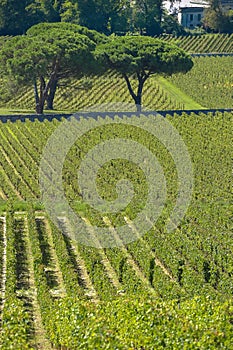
(193, 43)
(209, 83)
(110, 88)
(54, 285)
(203, 43)
(56, 292)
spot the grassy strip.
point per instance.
(178, 95)
(20, 205)
(10, 111)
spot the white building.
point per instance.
(190, 17)
(190, 12)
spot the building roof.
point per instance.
(191, 9)
(192, 3)
(186, 3)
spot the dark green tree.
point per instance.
(230, 21)
(170, 25)
(44, 10)
(147, 16)
(215, 19)
(38, 60)
(94, 36)
(14, 18)
(139, 57)
(106, 16)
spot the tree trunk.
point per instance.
(138, 103)
(37, 99)
(51, 94)
(138, 97)
(142, 77)
(45, 88)
(41, 98)
(139, 107)
(39, 108)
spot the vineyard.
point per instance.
(214, 43)
(78, 95)
(209, 83)
(205, 43)
(118, 277)
(164, 290)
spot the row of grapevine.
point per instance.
(60, 293)
(41, 257)
(111, 88)
(209, 83)
(212, 268)
(3, 243)
(17, 322)
(214, 43)
(75, 323)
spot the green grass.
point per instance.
(178, 95)
(11, 111)
(207, 85)
(209, 82)
(172, 97)
(108, 89)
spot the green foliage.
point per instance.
(44, 28)
(17, 16)
(69, 12)
(147, 16)
(141, 57)
(205, 43)
(136, 54)
(170, 25)
(29, 57)
(13, 17)
(15, 319)
(106, 16)
(44, 11)
(216, 20)
(124, 323)
(193, 311)
(15, 326)
(209, 82)
(44, 56)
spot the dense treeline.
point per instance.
(216, 19)
(106, 16)
(147, 17)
